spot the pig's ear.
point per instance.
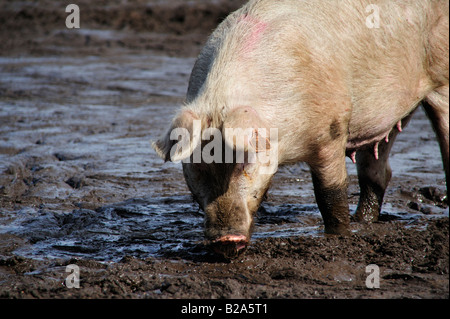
(243, 130)
(181, 139)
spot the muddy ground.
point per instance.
(80, 184)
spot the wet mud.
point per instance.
(80, 184)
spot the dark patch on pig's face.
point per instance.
(335, 129)
(228, 193)
(207, 181)
(216, 187)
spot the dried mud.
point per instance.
(79, 183)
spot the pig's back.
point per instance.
(286, 57)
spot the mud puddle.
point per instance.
(143, 228)
(156, 227)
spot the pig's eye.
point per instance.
(246, 169)
(238, 169)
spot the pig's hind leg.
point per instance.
(436, 106)
(374, 174)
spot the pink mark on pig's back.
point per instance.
(256, 28)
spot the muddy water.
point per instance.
(79, 178)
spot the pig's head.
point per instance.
(228, 169)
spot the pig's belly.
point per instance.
(360, 141)
(363, 134)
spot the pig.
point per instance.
(336, 79)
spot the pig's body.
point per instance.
(330, 84)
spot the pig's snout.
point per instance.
(229, 246)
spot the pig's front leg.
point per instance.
(330, 188)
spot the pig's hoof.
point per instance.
(342, 230)
(229, 246)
